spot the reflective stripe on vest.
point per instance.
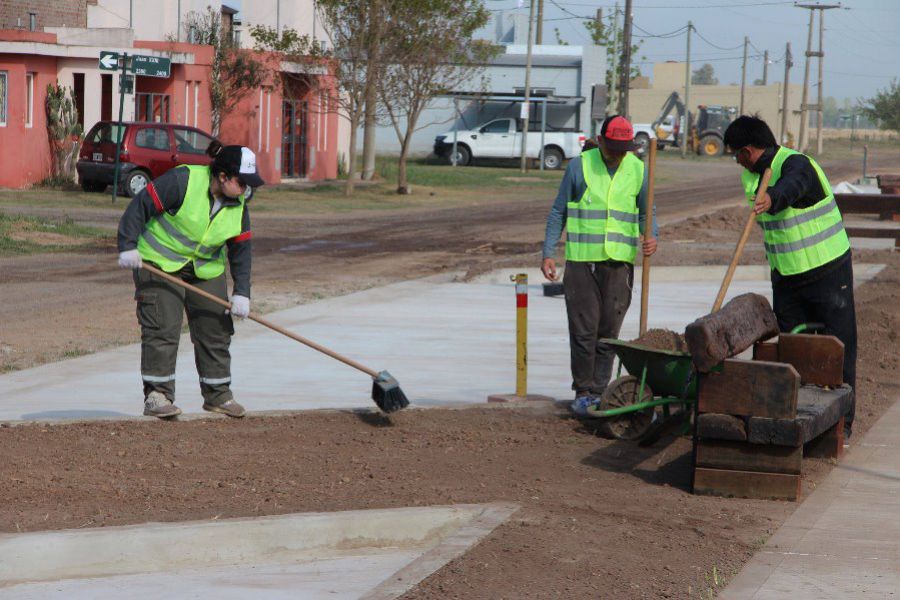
(798, 240)
(603, 224)
(172, 241)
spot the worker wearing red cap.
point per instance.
(602, 204)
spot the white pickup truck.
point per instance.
(500, 139)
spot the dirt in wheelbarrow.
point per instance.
(663, 339)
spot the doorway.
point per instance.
(293, 138)
(78, 96)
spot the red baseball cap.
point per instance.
(617, 134)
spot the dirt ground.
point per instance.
(599, 518)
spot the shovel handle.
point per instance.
(177, 281)
(648, 227)
(739, 249)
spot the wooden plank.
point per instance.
(742, 456)
(818, 358)
(716, 426)
(746, 484)
(818, 409)
(744, 320)
(828, 445)
(868, 203)
(751, 388)
(765, 351)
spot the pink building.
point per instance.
(294, 137)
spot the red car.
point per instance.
(148, 150)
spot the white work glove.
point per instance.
(240, 306)
(130, 259)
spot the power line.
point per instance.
(716, 45)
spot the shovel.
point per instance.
(386, 391)
(648, 230)
(739, 249)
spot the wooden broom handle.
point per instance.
(739, 249)
(648, 227)
(261, 321)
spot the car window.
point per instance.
(153, 138)
(105, 133)
(497, 127)
(191, 142)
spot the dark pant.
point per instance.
(828, 300)
(597, 297)
(160, 311)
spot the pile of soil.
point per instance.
(663, 339)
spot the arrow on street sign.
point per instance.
(109, 61)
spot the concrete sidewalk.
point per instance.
(843, 541)
(447, 343)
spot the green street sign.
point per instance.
(109, 61)
(126, 84)
(151, 66)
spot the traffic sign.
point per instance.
(109, 61)
(151, 66)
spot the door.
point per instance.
(293, 139)
(190, 146)
(495, 140)
(153, 150)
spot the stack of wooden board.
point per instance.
(756, 418)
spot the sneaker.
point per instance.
(230, 408)
(581, 405)
(157, 405)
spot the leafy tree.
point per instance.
(235, 72)
(605, 33)
(705, 75)
(884, 107)
(421, 64)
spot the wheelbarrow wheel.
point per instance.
(621, 393)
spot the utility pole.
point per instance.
(788, 63)
(685, 133)
(804, 105)
(539, 34)
(526, 108)
(766, 67)
(744, 74)
(614, 80)
(625, 82)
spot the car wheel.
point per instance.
(711, 145)
(641, 143)
(552, 158)
(463, 156)
(136, 181)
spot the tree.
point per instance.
(605, 33)
(63, 132)
(345, 24)
(884, 107)
(705, 75)
(421, 64)
(235, 72)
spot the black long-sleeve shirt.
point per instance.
(797, 187)
(170, 189)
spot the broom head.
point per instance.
(387, 394)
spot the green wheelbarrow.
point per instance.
(640, 403)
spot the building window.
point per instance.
(29, 99)
(4, 78)
(152, 107)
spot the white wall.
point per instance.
(93, 89)
(152, 20)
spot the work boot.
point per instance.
(157, 405)
(230, 408)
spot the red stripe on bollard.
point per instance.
(521, 300)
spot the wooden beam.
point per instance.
(746, 484)
(742, 456)
(716, 426)
(767, 351)
(828, 445)
(750, 388)
(818, 358)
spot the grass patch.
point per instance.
(30, 235)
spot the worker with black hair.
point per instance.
(805, 241)
(186, 222)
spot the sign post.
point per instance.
(121, 132)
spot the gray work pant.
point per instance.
(160, 310)
(597, 297)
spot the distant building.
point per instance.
(45, 42)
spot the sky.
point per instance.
(862, 39)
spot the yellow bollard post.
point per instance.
(521, 333)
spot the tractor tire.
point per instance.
(711, 145)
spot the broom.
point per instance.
(386, 391)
